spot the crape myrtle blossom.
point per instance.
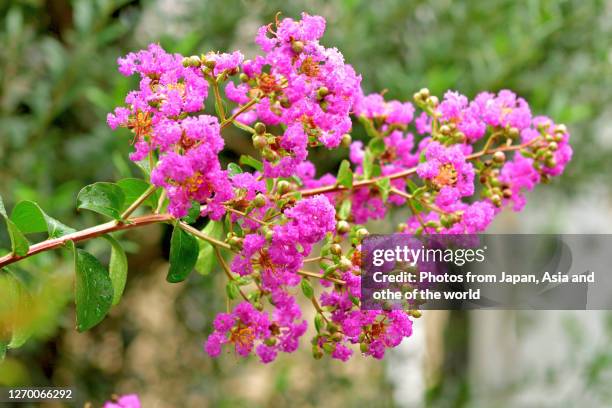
(453, 163)
(124, 401)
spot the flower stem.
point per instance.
(319, 276)
(227, 271)
(188, 228)
(138, 202)
(242, 109)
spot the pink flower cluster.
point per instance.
(301, 84)
(454, 164)
(125, 401)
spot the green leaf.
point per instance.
(368, 164)
(233, 169)
(377, 146)
(30, 218)
(307, 288)
(93, 290)
(384, 185)
(17, 301)
(318, 322)
(250, 161)
(104, 198)
(183, 255)
(411, 186)
(133, 188)
(117, 268)
(345, 174)
(232, 290)
(206, 257)
(345, 209)
(194, 212)
(19, 243)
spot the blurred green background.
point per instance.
(58, 80)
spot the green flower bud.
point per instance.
(260, 128)
(445, 130)
(416, 313)
(364, 347)
(244, 77)
(336, 249)
(343, 227)
(259, 142)
(297, 46)
(346, 140)
(513, 132)
(322, 92)
(553, 146)
(362, 233)
(235, 243)
(345, 264)
(332, 327)
(209, 63)
(269, 154)
(499, 157)
(269, 234)
(270, 341)
(260, 200)
(496, 200)
(424, 93)
(283, 187)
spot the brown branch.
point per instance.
(86, 234)
(405, 173)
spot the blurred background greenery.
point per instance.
(58, 80)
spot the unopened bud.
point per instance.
(401, 227)
(553, 146)
(362, 233)
(297, 46)
(235, 242)
(499, 157)
(336, 249)
(322, 92)
(416, 313)
(260, 128)
(561, 129)
(424, 92)
(496, 200)
(269, 154)
(346, 140)
(210, 63)
(345, 263)
(433, 101)
(343, 227)
(445, 130)
(332, 327)
(513, 132)
(507, 193)
(244, 77)
(364, 347)
(259, 142)
(260, 200)
(551, 162)
(460, 137)
(284, 187)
